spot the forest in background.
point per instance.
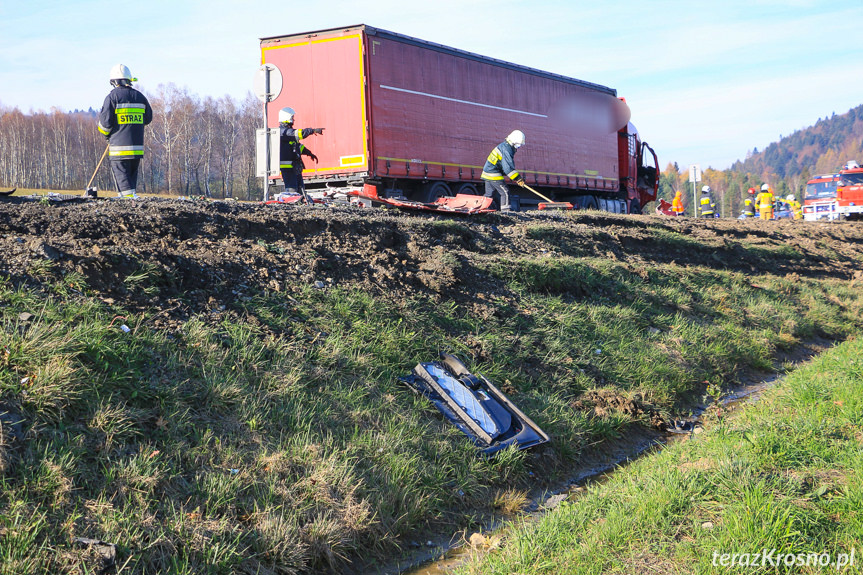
(785, 165)
(193, 146)
(206, 146)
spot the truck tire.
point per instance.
(588, 203)
(470, 189)
(434, 190)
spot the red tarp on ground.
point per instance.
(460, 204)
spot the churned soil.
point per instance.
(198, 257)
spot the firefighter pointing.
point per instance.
(291, 152)
(124, 114)
(500, 164)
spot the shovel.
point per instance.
(92, 192)
(548, 205)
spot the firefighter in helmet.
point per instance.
(764, 202)
(500, 164)
(124, 114)
(291, 152)
(706, 207)
(795, 207)
(748, 205)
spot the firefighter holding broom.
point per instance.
(124, 114)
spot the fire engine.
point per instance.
(835, 196)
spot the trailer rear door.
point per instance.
(323, 79)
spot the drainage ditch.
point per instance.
(442, 557)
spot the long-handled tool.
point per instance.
(92, 192)
(548, 205)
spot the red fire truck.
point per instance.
(409, 119)
(835, 196)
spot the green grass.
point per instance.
(786, 474)
(280, 440)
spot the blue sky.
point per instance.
(706, 81)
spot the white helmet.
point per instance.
(516, 139)
(790, 197)
(764, 187)
(121, 72)
(286, 116)
(705, 190)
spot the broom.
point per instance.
(91, 192)
(548, 204)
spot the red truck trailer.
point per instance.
(406, 118)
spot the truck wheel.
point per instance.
(470, 189)
(588, 203)
(434, 190)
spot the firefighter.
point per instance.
(748, 205)
(796, 208)
(764, 202)
(291, 152)
(677, 204)
(124, 114)
(500, 164)
(706, 206)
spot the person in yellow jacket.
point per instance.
(764, 201)
(795, 206)
(677, 204)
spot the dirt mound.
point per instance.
(602, 402)
(183, 257)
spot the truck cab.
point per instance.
(819, 202)
(849, 192)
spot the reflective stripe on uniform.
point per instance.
(283, 165)
(105, 131)
(513, 175)
(130, 113)
(126, 151)
(494, 157)
(487, 176)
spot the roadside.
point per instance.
(250, 417)
(777, 487)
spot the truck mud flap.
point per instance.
(474, 405)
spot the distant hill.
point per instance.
(821, 148)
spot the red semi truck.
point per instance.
(406, 118)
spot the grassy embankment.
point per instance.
(222, 449)
(773, 484)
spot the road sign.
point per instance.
(694, 173)
(268, 83)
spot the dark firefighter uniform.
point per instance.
(124, 114)
(748, 208)
(291, 153)
(500, 164)
(706, 206)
